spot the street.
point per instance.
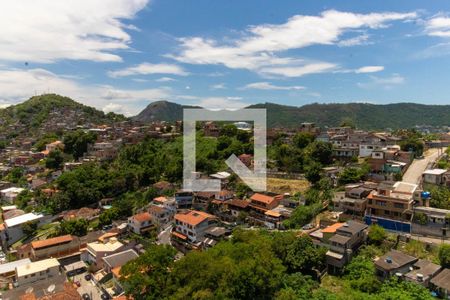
(418, 166)
(87, 287)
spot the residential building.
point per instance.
(97, 250)
(422, 272)
(184, 199)
(140, 223)
(352, 202)
(10, 194)
(12, 231)
(8, 270)
(434, 176)
(57, 247)
(441, 283)
(236, 206)
(118, 259)
(344, 243)
(191, 225)
(160, 215)
(38, 270)
(431, 221)
(394, 263)
(264, 202)
(391, 205)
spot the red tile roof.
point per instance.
(51, 242)
(142, 217)
(193, 217)
(262, 198)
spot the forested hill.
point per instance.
(45, 110)
(161, 111)
(364, 115)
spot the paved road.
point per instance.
(87, 287)
(418, 166)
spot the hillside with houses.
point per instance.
(99, 208)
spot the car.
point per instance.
(308, 226)
(105, 296)
(88, 277)
(78, 283)
(86, 296)
(80, 270)
(71, 273)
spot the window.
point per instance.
(386, 212)
(380, 203)
(399, 205)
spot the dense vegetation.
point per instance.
(258, 265)
(364, 115)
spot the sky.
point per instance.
(120, 55)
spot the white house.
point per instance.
(12, 231)
(191, 225)
(434, 176)
(10, 194)
(38, 270)
(140, 223)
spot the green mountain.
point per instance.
(364, 115)
(161, 111)
(42, 111)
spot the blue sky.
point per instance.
(120, 55)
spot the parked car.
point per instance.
(78, 283)
(88, 277)
(86, 296)
(308, 226)
(105, 296)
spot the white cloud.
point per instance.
(362, 39)
(215, 103)
(369, 69)
(148, 68)
(269, 86)
(256, 49)
(298, 71)
(438, 26)
(46, 30)
(384, 82)
(17, 85)
(165, 79)
(218, 86)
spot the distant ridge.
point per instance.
(364, 115)
(161, 111)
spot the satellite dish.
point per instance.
(29, 290)
(51, 288)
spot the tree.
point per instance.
(303, 139)
(30, 227)
(303, 256)
(321, 152)
(54, 160)
(444, 255)
(76, 227)
(147, 277)
(376, 235)
(348, 122)
(361, 274)
(76, 142)
(313, 172)
(414, 145)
